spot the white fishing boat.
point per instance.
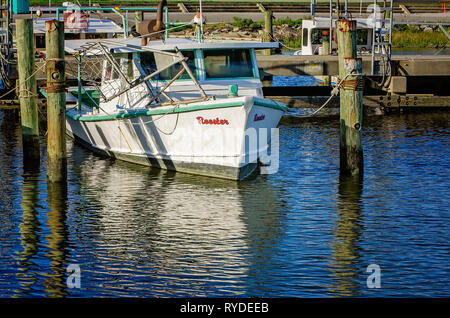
(183, 105)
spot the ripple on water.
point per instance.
(303, 232)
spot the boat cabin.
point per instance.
(217, 67)
(91, 29)
(315, 31)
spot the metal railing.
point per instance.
(118, 12)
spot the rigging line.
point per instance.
(34, 73)
(120, 129)
(334, 92)
(170, 110)
(276, 40)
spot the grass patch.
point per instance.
(246, 24)
(289, 22)
(405, 36)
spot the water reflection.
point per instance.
(137, 231)
(27, 274)
(55, 283)
(184, 235)
(347, 233)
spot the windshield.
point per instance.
(151, 63)
(228, 63)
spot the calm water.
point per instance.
(303, 232)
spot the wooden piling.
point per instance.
(268, 30)
(56, 101)
(351, 98)
(27, 89)
(325, 45)
(139, 17)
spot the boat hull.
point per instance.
(217, 139)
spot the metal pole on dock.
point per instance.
(268, 29)
(56, 101)
(351, 97)
(27, 89)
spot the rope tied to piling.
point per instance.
(334, 92)
(356, 84)
(29, 94)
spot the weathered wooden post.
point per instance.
(325, 45)
(268, 30)
(56, 101)
(326, 51)
(139, 17)
(350, 68)
(27, 89)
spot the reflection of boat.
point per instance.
(193, 235)
(180, 105)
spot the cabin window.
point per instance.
(151, 63)
(228, 63)
(305, 37)
(318, 34)
(361, 36)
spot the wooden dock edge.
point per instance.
(374, 101)
(370, 101)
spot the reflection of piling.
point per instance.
(56, 100)
(27, 89)
(29, 229)
(57, 239)
(347, 233)
(268, 30)
(350, 97)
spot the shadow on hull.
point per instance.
(249, 171)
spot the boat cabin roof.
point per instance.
(323, 22)
(95, 26)
(130, 45)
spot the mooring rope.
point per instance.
(28, 78)
(334, 92)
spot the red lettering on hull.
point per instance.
(217, 121)
(258, 118)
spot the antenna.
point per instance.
(201, 21)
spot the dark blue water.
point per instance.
(303, 232)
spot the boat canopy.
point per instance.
(95, 26)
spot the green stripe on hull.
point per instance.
(269, 104)
(174, 110)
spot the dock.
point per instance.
(417, 81)
(404, 65)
